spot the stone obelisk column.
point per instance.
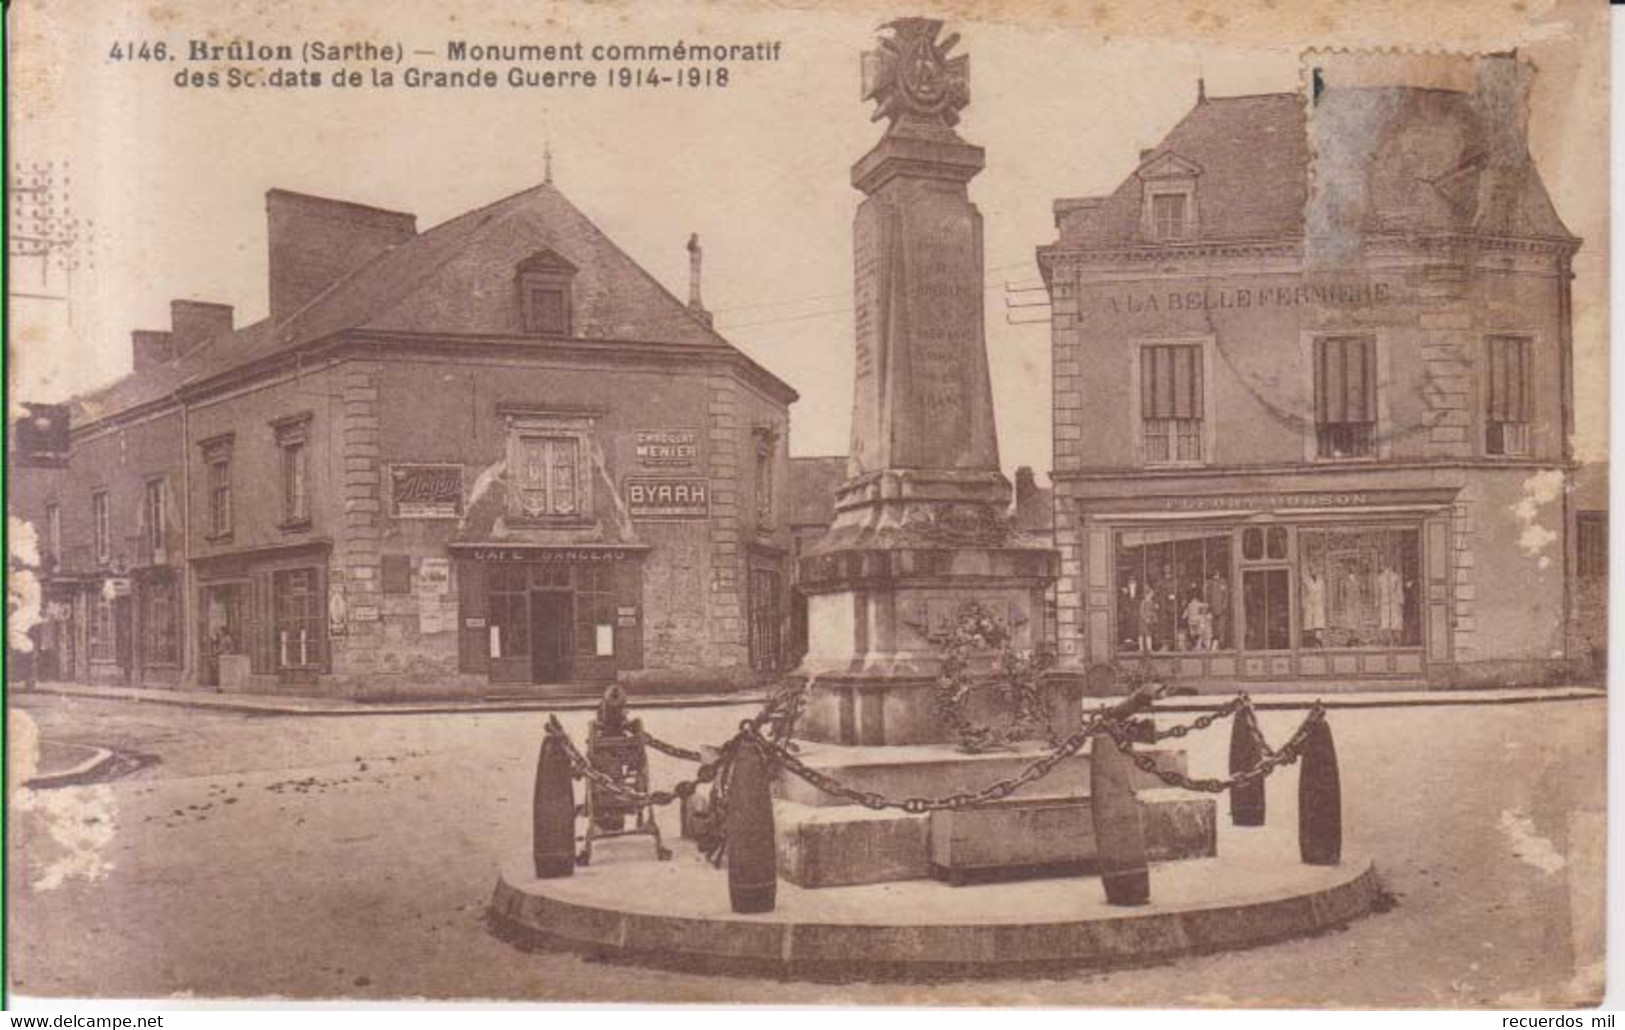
(921, 524)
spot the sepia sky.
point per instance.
(174, 179)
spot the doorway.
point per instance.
(124, 638)
(551, 616)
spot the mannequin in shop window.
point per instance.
(1216, 592)
(1314, 608)
(1132, 630)
(1390, 604)
(1150, 616)
(1199, 622)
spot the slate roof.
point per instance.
(456, 278)
(1427, 170)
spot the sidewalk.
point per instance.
(261, 704)
(254, 704)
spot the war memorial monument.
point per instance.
(924, 795)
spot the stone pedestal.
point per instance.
(921, 530)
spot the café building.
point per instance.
(495, 455)
(1318, 438)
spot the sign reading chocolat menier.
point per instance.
(667, 446)
(426, 491)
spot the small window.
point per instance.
(53, 531)
(217, 483)
(152, 517)
(102, 646)
(1345, 397)
(101, 528)
(293, 446)
(1168, 215)
(1506, 394)
(544, 282)
(1171, 403)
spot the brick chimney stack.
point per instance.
(314, 242)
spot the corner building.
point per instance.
(1312, 439)
(495, 455)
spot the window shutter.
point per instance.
(1171, 382)
(1345, 380)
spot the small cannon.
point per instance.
(615, 748)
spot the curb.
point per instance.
(248, 707)
(88, 769)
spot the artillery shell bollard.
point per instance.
(1320, 800)
(1246, 799)
(753, 878)
(1119, 835)
(553, 812)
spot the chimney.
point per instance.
(314, 242)
(696, 306)
(151, 347)
(1145, 154)
(192, 322)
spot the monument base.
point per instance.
(1045, 828)
(677, 913)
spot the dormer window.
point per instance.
(1169, 216)
(1169, 211)
(544, 282)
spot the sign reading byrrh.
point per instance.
(671, 498)
(426, 491)
(667, 446)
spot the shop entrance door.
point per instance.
(124, 638)
(551, 615)
(1266, 609)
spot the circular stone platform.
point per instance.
(630, 905)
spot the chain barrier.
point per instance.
(666, 748)
(1289, 753)
(779, 715)
(1202, 722)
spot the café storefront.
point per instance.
(545, 614)
(1349, 585)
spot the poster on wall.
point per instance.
(671, 447)
(426, 491)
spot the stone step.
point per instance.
(938, 770)
(827, 846)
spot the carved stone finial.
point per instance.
(911, 78)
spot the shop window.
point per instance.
(595, 610)
(293, 448)
(544, 283)
(300, 622)
(101, 630)
(1591, 538)
(101, 528)
(160, 623)
(152, 519)
(1506, 394)
(1171, 411)
(509, 618)
(217, 471)
(1174, 590)
(1359, 588)
(1345, 397)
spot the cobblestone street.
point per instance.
(252, 856)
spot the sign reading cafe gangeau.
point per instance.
(426, 491)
